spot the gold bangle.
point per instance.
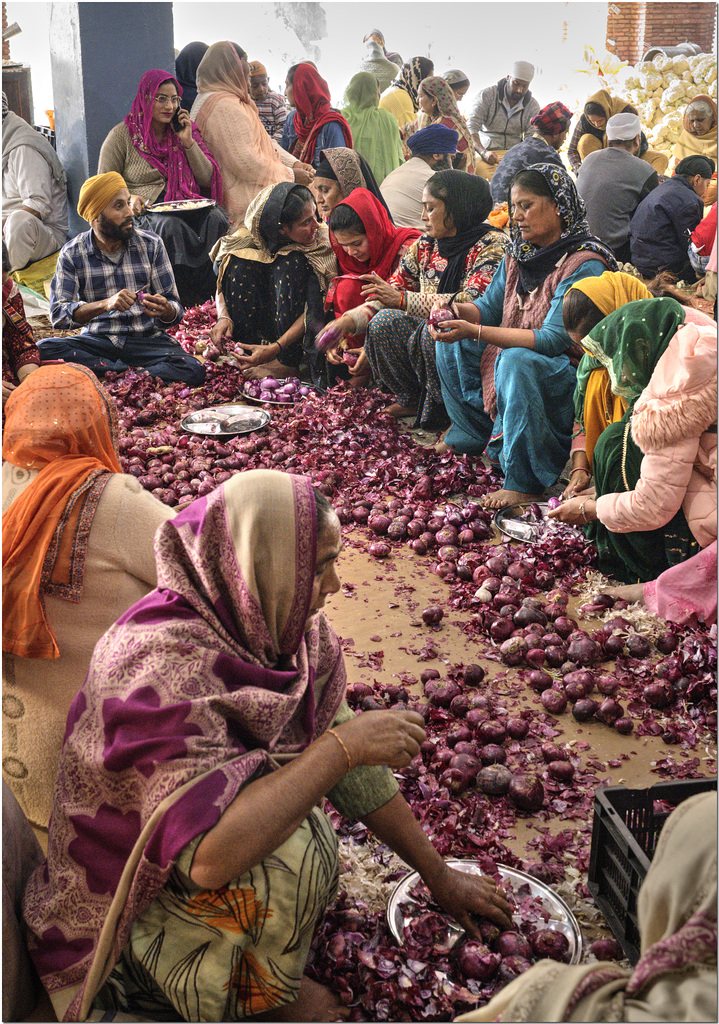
(341, 743)
(583, 511)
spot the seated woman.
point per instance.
(375, 135)
(590, 135)
(20, 354)
(401, 100)
(438, 105)
(596, 405)
(163, 158)
(273, 278)
(186, 64)
(675, 978)
(214, 704)
(365, 242)
(227, 117)
(507, 381)
(457, 255)
(655, 471)
(699, 134)
(664, 220)
(702, 240)
(458, 82)
(315, 125)
(68, 511)
(339, 172)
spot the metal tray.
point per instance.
(562, 918)
(509, 522)
(225, 420)
(180, 205)
(269, 401)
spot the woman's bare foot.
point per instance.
(632, 593)
(399, 412)
(504, 498)
(271, 369)
(441, 448)
(313, 1003)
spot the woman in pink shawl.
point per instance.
(162, 158)
(188, 859)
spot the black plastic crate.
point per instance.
(624, 837)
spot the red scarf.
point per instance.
(312, 110)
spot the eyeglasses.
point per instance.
(167, 101)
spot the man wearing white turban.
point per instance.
(501, 116)
(613, 182)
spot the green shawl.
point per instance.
(628, 344)
(375, 133)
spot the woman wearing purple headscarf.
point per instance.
(189, 858)
(162, 157)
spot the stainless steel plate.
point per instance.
(511, 523)
(225, 420)
(180, 205)
(561, 917)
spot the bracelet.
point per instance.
(402, 300)
(580, 469)
(229, 318)
(341, 743)
(479, 332)
(583, 511)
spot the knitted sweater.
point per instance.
(142, 179)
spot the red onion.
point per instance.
(527, 792)
(551, 752)
(625, 726)
(554, 701)
(379, 524)
(539, 680)
(555, 655)
(473, 675)
(564, 626)
(379, 549)
(638, 646)
(494, 780)
(583, 651)
(550, 943)
(492, 753)
(517, 728)
(584, 709)
(477, 962)
(429, 673)
(513, 650)
(607, 949)
(536, 657)
(659, 695)
(460, 706)
(561, 771)
(501, 629)
(432, 615)
(609, 711)
(492, 731)
(460, 734)
(513, 944)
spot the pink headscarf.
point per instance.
(167, 156)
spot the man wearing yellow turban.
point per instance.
(118, 281)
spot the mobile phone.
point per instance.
(175, 122)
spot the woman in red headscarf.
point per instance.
(315, 125)
(367, 246)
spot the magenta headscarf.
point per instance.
(168, 156)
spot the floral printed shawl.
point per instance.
(193, 692)
(167, 156)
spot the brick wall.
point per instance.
(633, 27)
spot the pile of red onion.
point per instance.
(493, 753)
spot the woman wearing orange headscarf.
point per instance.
(68, 511)
(315, 125)
(227, 117)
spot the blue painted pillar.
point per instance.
(99, 52)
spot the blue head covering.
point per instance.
(435, 138)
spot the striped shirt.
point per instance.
(86, 274)
(273, 114)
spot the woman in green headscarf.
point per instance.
(655, 469)
(375, 133)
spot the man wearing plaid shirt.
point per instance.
(118, 281)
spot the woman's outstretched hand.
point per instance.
(467, 897)
(390, 738)
(255, 355)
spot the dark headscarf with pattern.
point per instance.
(535, 262)
(411, 74)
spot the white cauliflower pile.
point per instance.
(660, 90)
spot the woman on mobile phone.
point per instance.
(162, 157)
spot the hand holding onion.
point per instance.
(466, 896)
(255, 355)
(577, 511)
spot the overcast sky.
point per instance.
(483, 39)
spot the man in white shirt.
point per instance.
(432, 150)
(501, 117)
(34, 193)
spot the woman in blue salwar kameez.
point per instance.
(504, 363)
